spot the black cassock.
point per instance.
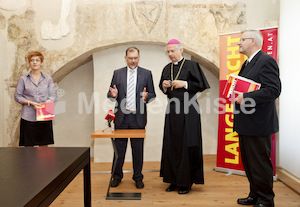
(182, 159)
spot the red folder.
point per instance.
(240, 84)
(45, 111)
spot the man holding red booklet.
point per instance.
(255, 129)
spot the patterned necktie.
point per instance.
(130, 101)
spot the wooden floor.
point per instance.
(219, 189)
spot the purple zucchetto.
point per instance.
(173, 42)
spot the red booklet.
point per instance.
(240, 84)
(45, 111)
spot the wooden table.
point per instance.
(120, 133)
(32, 176)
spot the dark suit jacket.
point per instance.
(264, 121)
(144, 80)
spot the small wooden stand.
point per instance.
(120, 133)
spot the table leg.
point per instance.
(87, 184)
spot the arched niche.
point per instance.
(67, 124)
(87, 56)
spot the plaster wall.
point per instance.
(289, 103)
(72, 127)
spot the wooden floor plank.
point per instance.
(218, 190)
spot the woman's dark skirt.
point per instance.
(36, 133)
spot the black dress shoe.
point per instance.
(171, 187)
(115, 182)
(264, 205)
(139, 184)
(183, 190)
(247, 201)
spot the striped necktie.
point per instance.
(130, 101)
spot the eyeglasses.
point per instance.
(35, 60)
(243, 39)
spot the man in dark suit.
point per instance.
(132, 88)
(255, 119)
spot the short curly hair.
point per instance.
(34, 54)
